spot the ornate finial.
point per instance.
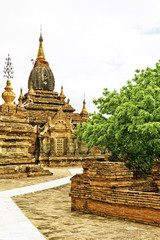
(62, 96)
(21, 94)
(20, 98)
(62, 90)
(40, 51)
(41, 61)
(84, 104)
(68, 101)
(8, 96)
(84, 112)
(8, 68)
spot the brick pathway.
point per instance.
(13, 223)
(49, 211)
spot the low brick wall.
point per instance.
(104, 189)
(22, 171)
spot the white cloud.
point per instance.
(89, 44)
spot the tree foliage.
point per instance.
(128, 122)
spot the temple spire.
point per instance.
(62, 96)
(41, 76)
(41, 61)
(84, 110)
(40, 54)
(20, 98)
(84, 113)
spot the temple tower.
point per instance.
(84, 114)
(55, 119)
(42, 101)
(41, 76)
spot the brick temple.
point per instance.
(40, 128)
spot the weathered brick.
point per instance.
(123, 197)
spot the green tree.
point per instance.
(128, 122)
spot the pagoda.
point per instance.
(40, 128)
(42, 101)
(53, 116)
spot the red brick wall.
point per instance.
(106, 189)
(135, 213)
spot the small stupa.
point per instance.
(8, 96)
(20, 98)
(84, 113)
(62, 96)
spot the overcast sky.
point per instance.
(89, 44)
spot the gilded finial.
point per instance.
(40, 50)
(8, 96)
(41, 61)
(84, 112)
(84, 106)
(20, 98)
(62, 96)
(21, 94)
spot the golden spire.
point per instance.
(84, 110)
(8, 96)
(62, 96)
(20, 98)
(40, 56)
(84, 113)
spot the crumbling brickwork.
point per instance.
(17, 145)
(106, 189)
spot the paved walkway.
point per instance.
(14, 225)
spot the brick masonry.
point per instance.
(109, 189)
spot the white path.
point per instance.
(14, 225)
